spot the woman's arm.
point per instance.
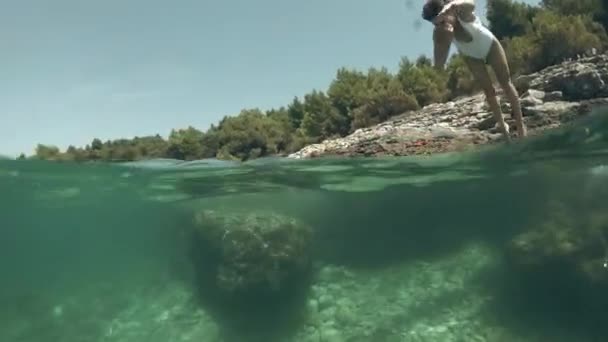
(444, 28)
(461, 8)
(442, 40)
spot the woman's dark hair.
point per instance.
(432, 8)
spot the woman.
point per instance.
(455, 21)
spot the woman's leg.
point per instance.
(498, 60)
(480, 72)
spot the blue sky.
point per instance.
(73, 70)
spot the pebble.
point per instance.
(553, 96)
(345, 315)
(536, 94)
(531, 101)
(312, 334)
(332, 335)
(58, 311)
(313, 306)
(325, 301)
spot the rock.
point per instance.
(564, 247)
(536, 94)
(332, 335)
(311, 335)
(505, 106)
(578, 80)
(325, 301)
(553, 109)
(532, 97)
(522, 83)
(486, 124)
(530, 101)
(549, 98)
(313, 306)
(256, 252)
(553, 96)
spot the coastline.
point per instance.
(550, 98)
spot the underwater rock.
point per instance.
(253, 252)
(332, 335)
(564, 246)
(551, 97)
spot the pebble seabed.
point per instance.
(436, 300)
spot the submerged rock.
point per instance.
(253, 252)
(551, 97)
(565, 248)
(560, 239)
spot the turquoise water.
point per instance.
(402, 249)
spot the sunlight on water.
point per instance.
(504, 244)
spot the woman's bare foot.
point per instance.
(504, 129)
(522, 131)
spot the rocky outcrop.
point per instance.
(565, 251)
(561, 238)
(251, 253)
(577, 80)
(549, 98)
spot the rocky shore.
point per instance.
(550, 98)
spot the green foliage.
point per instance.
(347, 91)
(383, 107)
(423, 81)
(151, 146)
(281, 120)
(385, 98)
(533, 36)
(460, 81)
(251, 134)
(552, 39)
(509, 18)
(561, 36)
(573, 7)
(185, 144)
(520, 51)
(210, 142)
(295, 113)
(96, 144)
(321, 119)
(538, 36)
(47, 152)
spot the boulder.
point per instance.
(251, 252)
(565, 246)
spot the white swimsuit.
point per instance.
(480, 45)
